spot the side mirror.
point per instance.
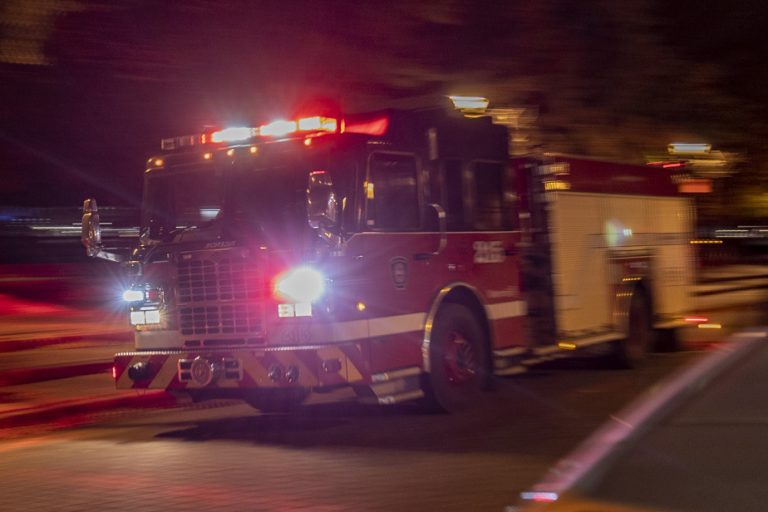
(322, 206)
(90, 233)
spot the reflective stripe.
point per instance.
(396, 324)
(253, 370)
(396, 374)
(123, 381)
(511, 309)
(509, 352)
(354, 330)
(363, 329)
(167, 373)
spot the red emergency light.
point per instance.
(313, 125)
(278, 128)
(376, 126)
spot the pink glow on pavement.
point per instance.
(10, 305)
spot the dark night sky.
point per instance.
(90, 86)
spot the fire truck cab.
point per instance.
(399, 253)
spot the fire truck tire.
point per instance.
(630, 352)
(667, 340)
(276, 400)
(459, 361)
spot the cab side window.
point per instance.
(392, 192)
(453, 174)
(490, 208)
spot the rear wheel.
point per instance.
(667, 340)
(630, 352)
(459, 360)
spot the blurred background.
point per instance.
(88, 88)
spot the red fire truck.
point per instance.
(402, 254)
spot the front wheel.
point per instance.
(459, 360)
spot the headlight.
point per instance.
(146, 317)
(301, 285)
(133, 295)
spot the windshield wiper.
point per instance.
(187, 229)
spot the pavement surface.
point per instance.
(58, 324)
(696, 442)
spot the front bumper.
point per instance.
(252, 368)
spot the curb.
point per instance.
(71, 408)
(42, 341)
(578, 470)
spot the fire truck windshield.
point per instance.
(271, 199)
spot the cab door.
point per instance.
(394, 286)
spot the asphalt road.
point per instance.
(709, 455)
(329, 457)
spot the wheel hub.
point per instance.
(459, 359)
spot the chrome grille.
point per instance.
(225, 319)
(218, 293)
(203, 280)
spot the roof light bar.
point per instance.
(282, 127)
(370, 126)
(279, 128)
(234, 134)
(324, 124)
